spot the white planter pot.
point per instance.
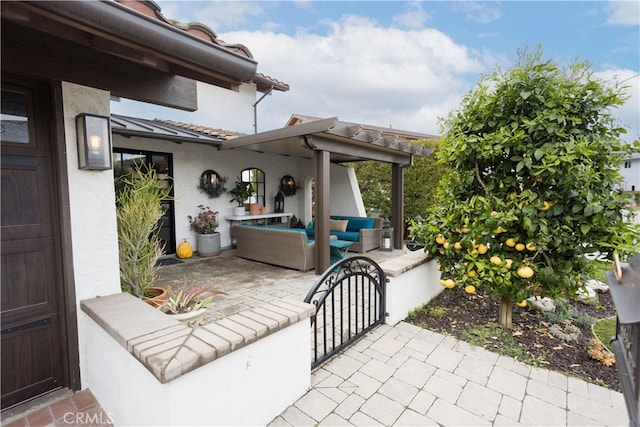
(238, 211)
(192, 318)
(208, 244)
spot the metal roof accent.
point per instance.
(222, 134)
(154, 129)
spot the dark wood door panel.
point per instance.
(25, 281)
(24, 201)
(32, 317)
(29, 362)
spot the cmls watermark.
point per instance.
(84, 418)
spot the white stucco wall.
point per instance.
(94, 236)
(345, 192)
(248, 387)
(411, 289)
(217, 108)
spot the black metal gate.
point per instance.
(350, 301)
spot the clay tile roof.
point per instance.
(265, 82)
(151, 9)
(197, 29)
(217, 133)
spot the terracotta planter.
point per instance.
(254, 209)
(208, 244)
(155, 297)
(263, 210)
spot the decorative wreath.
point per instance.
(212, 184)
(288, 186)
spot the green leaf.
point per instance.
(538, 154)
(585, 228)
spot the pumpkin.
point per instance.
(184, 250)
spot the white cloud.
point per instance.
(217, 15)
(363, 72)
(626, 13)
(414, 17)
(484, 13)
(629, 113)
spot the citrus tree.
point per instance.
(533, 155)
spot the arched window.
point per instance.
(256, 177)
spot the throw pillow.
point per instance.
(338, 225)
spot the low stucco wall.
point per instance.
(222, 380)
(413, 281)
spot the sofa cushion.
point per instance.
(352, 236)
(273, 227)
(355, 224)
(338, 225)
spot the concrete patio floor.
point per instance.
(405, 375)
(247, 284)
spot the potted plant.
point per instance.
(138, 212)
(189, 304)
(205, 224)
(241, 192)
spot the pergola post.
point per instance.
(397, 204)
(321, 166)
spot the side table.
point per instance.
(338, 250)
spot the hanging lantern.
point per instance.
(279, 207)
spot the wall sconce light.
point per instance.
(288, 185)
(94, 142)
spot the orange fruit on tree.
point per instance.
(546, 207)
(457, 245)
(511, 242)
(531, 246)
(482, 249)
(525, 272)
(449, 283)
(440, 239)
(495, 260)
(520, 247)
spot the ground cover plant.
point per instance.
(533, 158)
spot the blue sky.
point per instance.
(406, 64)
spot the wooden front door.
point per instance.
(32, 317)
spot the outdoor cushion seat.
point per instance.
(363, 232)
(352, 236)
(274, 227)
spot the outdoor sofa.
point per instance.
(285, 247)
(363, 232)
